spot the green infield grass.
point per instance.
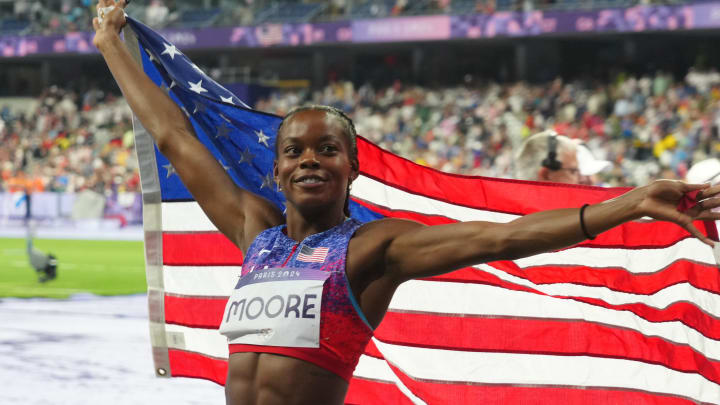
(84, 266)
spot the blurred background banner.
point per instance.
(412, 28)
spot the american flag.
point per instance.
(316, 255)
(630, 317)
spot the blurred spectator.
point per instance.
(156, 14)
(589, 166)
(547, 156)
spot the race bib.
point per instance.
(275, 307)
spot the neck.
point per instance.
(301, 225)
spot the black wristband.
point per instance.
(582, 222)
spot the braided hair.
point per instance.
(350, 131)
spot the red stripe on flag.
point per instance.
(701, 276)
(194, 312)
(195, 365)
(441, 392)
(200, 249)
(491, 334)
(684, 312)
(539, 336)
(492, 194)
(632, 235)
(366, 392)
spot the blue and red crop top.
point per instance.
(294, 299)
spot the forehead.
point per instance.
(568, 157)
(312, 123)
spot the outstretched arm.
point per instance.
(421, 251)
(238, 214)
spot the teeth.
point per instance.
(310, 180)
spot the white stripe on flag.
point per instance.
(478, 299)
(682, 292)
(379, 370)
(208, 281)
(436, 297)
(459, 366)
(522, 369)
(188, 217)
(380, 194)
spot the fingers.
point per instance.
(709, 192)
(708, 216)
(692, 186)
(96, 24)
(694, 232)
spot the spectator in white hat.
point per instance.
(590, 166)
(547, 156)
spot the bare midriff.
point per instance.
(271, 379)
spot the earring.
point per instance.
(278, 187)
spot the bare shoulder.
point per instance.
(386, 228)
(366, 252)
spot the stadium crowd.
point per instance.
(649, 127)
(68, 142)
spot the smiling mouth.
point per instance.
(309, 180)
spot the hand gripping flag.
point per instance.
(630, 317)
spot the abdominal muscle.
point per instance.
(270, 379)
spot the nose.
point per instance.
(308, 160)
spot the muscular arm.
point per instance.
(416, 251)
(238, 214)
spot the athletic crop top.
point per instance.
(293, 299)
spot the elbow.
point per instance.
(169, 136)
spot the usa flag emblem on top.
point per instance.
(312, 255)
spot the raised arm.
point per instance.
(416, 251)
(238, 214)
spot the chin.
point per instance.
(316, 205)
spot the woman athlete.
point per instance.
(359, 266)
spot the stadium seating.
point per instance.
(290, 12)
(197, 17)
(13, 26)
(372, 9)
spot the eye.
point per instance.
(328, 148)
(291, 150)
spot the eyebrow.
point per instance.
(323, 138)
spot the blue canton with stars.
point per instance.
(242, 139)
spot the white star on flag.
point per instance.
(267, 181)
(197, 87)
(171, 50)
(227, 100)
(246, 156)
(170, 170)
(150, 55)
(262, 138)
(222, 131)
(199, 107)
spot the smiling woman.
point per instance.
(315, 283)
